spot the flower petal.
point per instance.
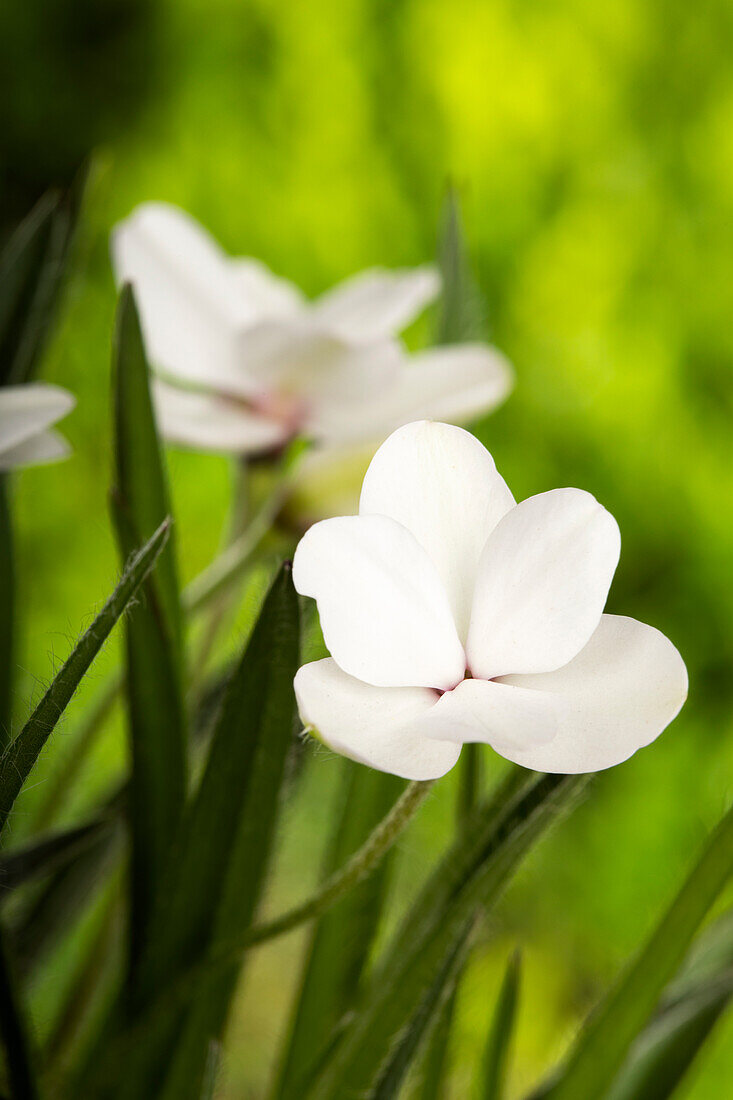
(496, 714)
(264, 294)
(48, 446)
(542, 584)
(27, 410)
(210, 423)
(384, 613)
(298, 358)
(440, 483)
(380, 727)
(616, 696)
(456, 384)
(377, 302)
(191, 309)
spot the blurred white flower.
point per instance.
(245, 362)
(26, 415)
(455, 615)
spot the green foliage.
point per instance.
(492, 1082)
(342, 939)
(606, 1039)
(32, 269)
(215, 873)
(154, 676)
(21, 754)
(663, 1053)
(471, 877)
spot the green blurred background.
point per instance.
(592, 146)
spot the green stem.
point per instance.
(354, 871)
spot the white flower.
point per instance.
(454, 614)
(246, 362)
(26, 415)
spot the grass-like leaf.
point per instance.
(460, 315)
(393, 1072)
(20, 756)
(154, 690)
(7, 612)
(214, 878)
(469, 879)
(19, 1057)
(42, 857)
(343, 937)
(604, 1043)
(494, 1069)
(664, 1052)
(32, 269)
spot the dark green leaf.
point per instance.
(663, 1053)
(51, 914)
(460, 318)
(7, 613)
(20, 756)
(432, 1083)
(42, 857)
(32, 268)
(471, 877)
(605, 1041)
(14, 1030)
(343, 937)
(494, 1070)
(153, 630)
(404, 1050)
(214, 879)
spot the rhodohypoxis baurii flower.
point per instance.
(245, 362)
(26, 415)
(454, 614)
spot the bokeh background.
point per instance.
(592, 145)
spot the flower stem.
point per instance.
(361, 864)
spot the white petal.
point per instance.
(377, 302)
(27, 410)
(496, 714)
(616, 696)
(48, 446)
(455, 384)
(542, 584)
(210, 423)
(381, 727)
(190, 307)
(441, 483)
(294, 357)
(384, 613)
(266, 296)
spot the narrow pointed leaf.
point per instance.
(214, 878)
(156, 714)
(461, 314)
(50, 916)
(19, 1057)
(20, 756)
(605, 1041)
(44, 856)
(32, 269)
(494, 1071)
(664, 1052)
(470, 878)
(395, 1069)
(7, 613)
(343, 937)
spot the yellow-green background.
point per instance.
(593, 148)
